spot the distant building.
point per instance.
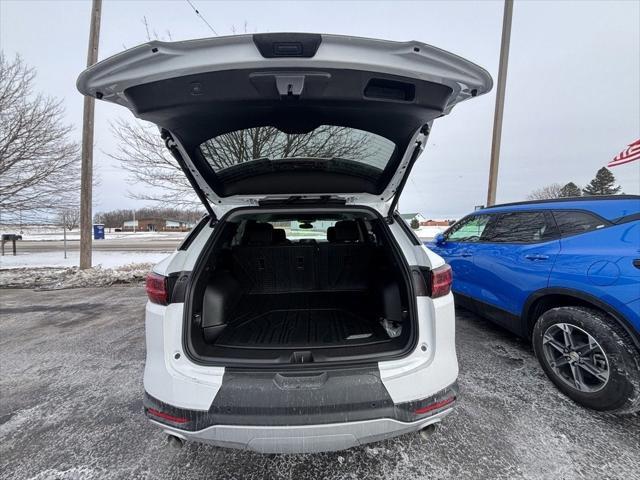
(424, 222)
(436, 223)
(408, 217)
(156, 225)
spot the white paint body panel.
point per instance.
(412, 59)
(178, 382)
(433, 365)
(425, 372)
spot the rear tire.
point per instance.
(589, 358)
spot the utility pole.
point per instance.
(500, 91)
(86, 176)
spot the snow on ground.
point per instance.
(428, 233)
(56, 278)
(50, 270)
(106, 259)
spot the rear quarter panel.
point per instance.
(600, 263)
(433, 365)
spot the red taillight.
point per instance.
(441, 279)
(435, 406)
(165, 416)
(156, 287)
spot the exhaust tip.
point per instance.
(428, 431)
(175, 442)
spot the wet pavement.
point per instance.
(71, 365)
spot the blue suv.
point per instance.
(566, 274)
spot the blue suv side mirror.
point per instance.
(440, 239)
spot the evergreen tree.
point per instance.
(415, 224)
(570, 190)
(604, 183)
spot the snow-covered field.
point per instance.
(46, 234)
(106, 259)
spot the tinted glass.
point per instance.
(571, 223)
(521, 227)
(468, 230)
(324, 142)
(297, 230)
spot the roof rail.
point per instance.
(567, 199)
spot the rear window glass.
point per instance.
(301, 230)
(572, 223)
(324, 142)
(521, 227)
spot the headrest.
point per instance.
(279, 235)
(331, 234)
(258, 234)
(346, 231)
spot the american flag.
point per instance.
(629, 154)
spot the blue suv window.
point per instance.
(521, 227)
(575, 222)
(468, 229)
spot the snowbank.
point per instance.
(58, 278)
(51, 270)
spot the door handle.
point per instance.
(466, 254)
(536, 257)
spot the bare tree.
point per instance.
(39, 165)
(69, 218)
(241, 146)
(545, 193)
(142, 153)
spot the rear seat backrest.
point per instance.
(280, 237)
(258, 234)
(262, 267)
(346, 231)
(331, 234)
(344, 262)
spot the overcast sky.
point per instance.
(573, 96)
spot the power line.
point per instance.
(203, 19)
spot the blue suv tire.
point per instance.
(589, 358)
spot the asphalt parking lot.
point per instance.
(71, 386)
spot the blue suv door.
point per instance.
(513, 259)
(457, 249)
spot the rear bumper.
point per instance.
(303, 438)
(324, 424)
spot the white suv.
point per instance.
(302, 314)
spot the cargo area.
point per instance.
(303, 320)
(300, 288)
